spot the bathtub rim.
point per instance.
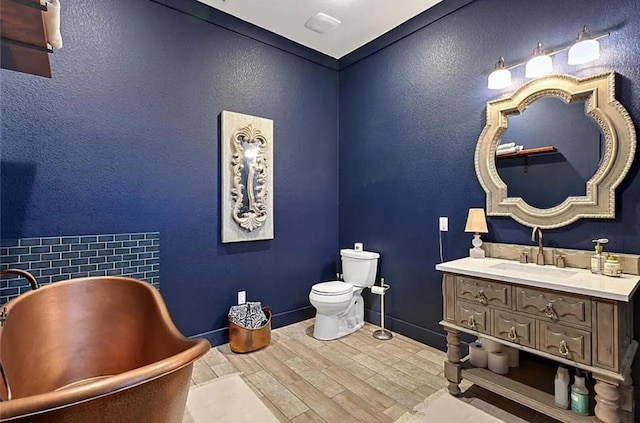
(40, 403)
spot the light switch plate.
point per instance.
(242, 297)
(444, 224)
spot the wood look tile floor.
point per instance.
(353, 379)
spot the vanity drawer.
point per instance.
(554, 307)
(473, 316)
(561, 341)
(514, 328)
(483, 292)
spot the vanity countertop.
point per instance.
(569, 279)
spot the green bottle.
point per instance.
(579, 395)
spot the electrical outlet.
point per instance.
(444, 224)
(242, 297)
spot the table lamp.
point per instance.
(476, 223)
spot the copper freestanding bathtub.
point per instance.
(100, 349)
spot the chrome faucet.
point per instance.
(32, 281)
(540, 256)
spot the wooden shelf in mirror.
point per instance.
(24, 43)
(528, 152)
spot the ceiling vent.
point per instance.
(322, 23)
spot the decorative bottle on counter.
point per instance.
(612, 266)
(579, 395)
(597, 260)
(561, 388)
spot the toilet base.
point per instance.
(334, 326)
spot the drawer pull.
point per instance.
(482, 298)
(563, 349)
(513, 335)
(550, 312)
(472, 322)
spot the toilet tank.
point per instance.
(359, 267)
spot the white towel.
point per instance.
(509, 150)
(52, 24)
(507, 145)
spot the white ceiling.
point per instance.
(361, 20)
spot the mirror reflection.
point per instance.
(545, 180)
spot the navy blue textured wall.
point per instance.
(124, 138)
(410, 117)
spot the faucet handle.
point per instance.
(524, 257)
(560, 261)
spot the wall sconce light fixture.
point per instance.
(584, 50)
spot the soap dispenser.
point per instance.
(597, 260)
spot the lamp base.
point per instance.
(476, 252)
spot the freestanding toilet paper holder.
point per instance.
(381, 334)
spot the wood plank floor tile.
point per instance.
(425, 391)
(428, 378)
(278, 394)
(366, 337)
(280, 351)
(391, 373)
(345, 349)
(274, 410)
(402, 343)
(255, 390)
(202, 372)
(396, 411)
(244, 363)
(314, 376)
(214, 356)
(359, 387)
(433, 354)
(320, 404)
(277, 368)
(309, 355)
(413, 358)
(346, 363)
(223, 369)
(402, 395)
(361, 410)
(308, 417)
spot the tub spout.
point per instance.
(32, 281)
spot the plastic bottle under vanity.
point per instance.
(561, 387)
(579, 395)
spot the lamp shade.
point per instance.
(540, 64)
(500, 78)
(584, 51)
(476, 221)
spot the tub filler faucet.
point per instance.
(540, 256)
(32, 281)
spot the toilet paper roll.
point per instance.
(491, 346)
(514, 356)
(498, 362)
(377, 290)
(477, 355)
(358, 246)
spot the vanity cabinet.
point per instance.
(577, 324)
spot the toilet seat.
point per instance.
(332, 288)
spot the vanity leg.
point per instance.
(607, 401)
(452, 365)
(626, 398)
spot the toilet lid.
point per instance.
(332, 288)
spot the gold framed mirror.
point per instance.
(618, 148)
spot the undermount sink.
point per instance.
(534, 269)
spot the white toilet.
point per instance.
(339, 305)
